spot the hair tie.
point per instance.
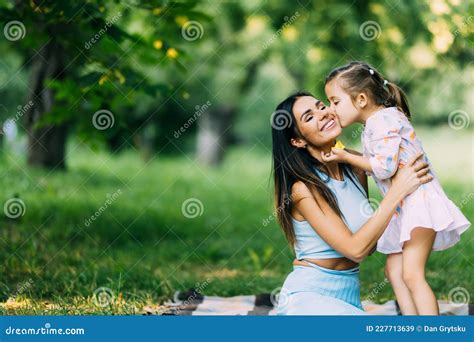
(371, 71)
(385, 82)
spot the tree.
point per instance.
(83, 68)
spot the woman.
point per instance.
(324, 211)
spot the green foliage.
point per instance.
(109, 65)
(126, 66)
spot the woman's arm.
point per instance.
(331, 228)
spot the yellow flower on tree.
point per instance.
(314, 54)
(158, 44)
(103, 79)
(172, 53)
(119, 76)
(290, 33)
(181, 20)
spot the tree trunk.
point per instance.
(47, 147)
(214, 126)
(47, 143)
(212, 137)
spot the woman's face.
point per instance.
(317, 123)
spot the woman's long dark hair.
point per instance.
(291, 164)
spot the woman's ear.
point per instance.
(298, 142)
(361, 100)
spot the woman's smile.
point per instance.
(330, 123)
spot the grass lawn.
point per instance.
(143, 248)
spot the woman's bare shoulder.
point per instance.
(300, 190)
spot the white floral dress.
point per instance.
(389, 141)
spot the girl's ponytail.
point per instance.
(397, 98)
(360, 77)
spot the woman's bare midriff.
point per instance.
(333, 263)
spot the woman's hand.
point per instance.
(409, 177)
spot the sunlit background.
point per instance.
(135, 150)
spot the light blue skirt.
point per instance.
(315, 290)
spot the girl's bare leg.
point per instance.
(415, 255)
(394, 273)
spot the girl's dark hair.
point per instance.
(291, 164)
(360, 77)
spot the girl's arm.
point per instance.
(348, 156)
(331, 228)
(359, 162)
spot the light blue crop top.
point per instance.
(354, 205)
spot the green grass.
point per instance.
(144, 249)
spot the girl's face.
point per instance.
(317, 123)
(342, 103)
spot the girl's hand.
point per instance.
(411, 176)
(336, 154)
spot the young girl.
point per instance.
(426, 220)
